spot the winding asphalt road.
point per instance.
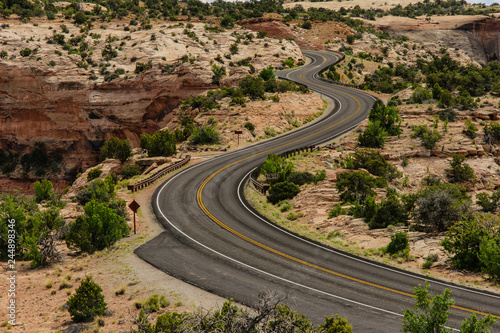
(214, 240)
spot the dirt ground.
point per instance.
(41, 293)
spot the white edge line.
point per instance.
(347, 256)
(259, 270)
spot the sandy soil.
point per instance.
(40, 306)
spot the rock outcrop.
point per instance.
(73, 104)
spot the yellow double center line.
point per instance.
(284, 255)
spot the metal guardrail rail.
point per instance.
(253, 176)
(145, 182)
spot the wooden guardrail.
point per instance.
(147, 181)
(255, 174)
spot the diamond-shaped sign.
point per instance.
(134, 206)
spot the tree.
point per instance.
(219, 73)
(43, 190)
(373, 136)
(372, 161)
(87, 302)
(439, 207)
(431, 314)
(459, 171)
(267, 73)
(161, 143)
(355, 186)
(116, 148)
(35, 230)
(80, 17)
(97, 229)
(252, 86)
(420, 95)
(388, 117)
(279, 165)
(463, 240)
(350, 39)
(282, 191)
(489, 255)
(389, 212)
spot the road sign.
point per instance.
(134, 206)
(272, 176)
(238, 134)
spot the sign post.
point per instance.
(238, 134)
(134, 206)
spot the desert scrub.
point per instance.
(48, 283)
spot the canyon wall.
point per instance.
(55, 97)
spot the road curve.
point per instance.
(214, 240)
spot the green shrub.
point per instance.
(464, 238)
(282, 191)
(141, 67)
(439, 207)
(43, 190)
(336, 211)
(267, 73)
(278, 165)
(161, 143)
(252, 86)
(26, 52)
(130, 171)
(319, 176)
(249, 126)
(152, 304)
(491, 133)
(389, 212)
(301, 178)
(373, 136)
(116, 148)
(355, 186)
(233, 48)
(490, 257)
(288, 62)
(93, 174)
(205, 135)
(488, 203)
(372, 161)
(218, 73)
(428, 137)
(335, 324)
(470, 129)
(459, 171)
(170, 322)
(97, 229)
(398, 243)
(387, 116)
(87, 302)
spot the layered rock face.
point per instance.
(487, 31)
(50, 97)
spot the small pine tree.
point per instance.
(88, 301)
